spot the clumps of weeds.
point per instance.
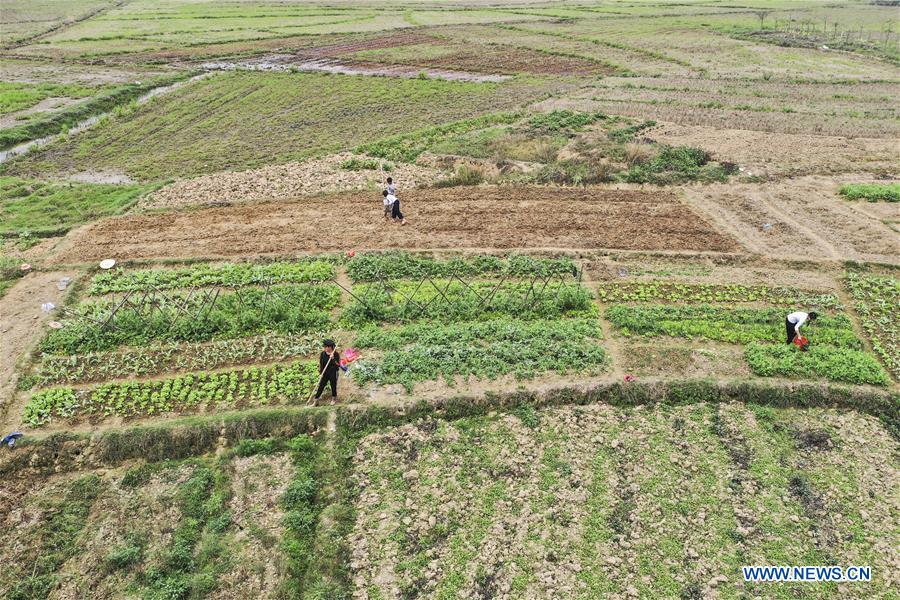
(528, 415)
(736, 446)
(486, 583)
(365, 164)
(576, 171)
(691, 592)
(127, 554)
(249, 447)
(620, 518)
(801, 489)
(814, 439)
(678, 164)
(465, 175)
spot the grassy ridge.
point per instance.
(39, 207)
(241, 120)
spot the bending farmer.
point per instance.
(329, 363)
(794, 321)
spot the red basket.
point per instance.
(801, 342)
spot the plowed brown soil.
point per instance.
(474, 217)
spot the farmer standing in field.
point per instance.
(394, 202)
(794, 321)
(329, 363)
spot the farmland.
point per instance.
(565, 375)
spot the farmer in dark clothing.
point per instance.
(329, 363)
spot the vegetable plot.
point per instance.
(878, 303)
(227, 274)
(836, 353)
(191, 318)
(452, 301)
(374, 266)
(650, 291)
(424, 351)
(229, 389)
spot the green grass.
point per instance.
(28, 205)
(55, 541)
(19, 96)
(873, 192)
(241, 120)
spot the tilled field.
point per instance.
(601, 502)
(480, 217)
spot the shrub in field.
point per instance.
(453, 301)
(878, 304)
(675, 164)
(284, 309)
(372, 266)
(227, 274)
(174, 356)
(425, 351)
(873, 192)
(576, 171)
(563, 121)
(626, 134)
(363, 164)
(836, 364)
(650, 291)
(226, 389)
(464, 175)
(734, 325)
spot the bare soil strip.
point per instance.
(22, 323)
(479, 217)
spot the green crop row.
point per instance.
(451, 301)
(878, 303)
(652, 291)
(304, 271)
(406, 147)
(373, 266)
(174, 356)
(873, 192)
(733, 325)
(836, 364)
(246, 387)
(284, 309)
(426, 351)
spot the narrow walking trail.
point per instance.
(22, 323)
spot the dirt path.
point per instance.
(474, 217)
(22, 322)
